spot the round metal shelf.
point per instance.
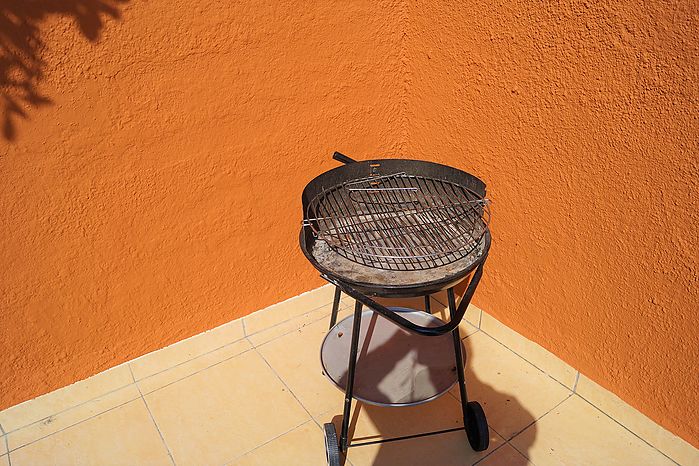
(394, 367)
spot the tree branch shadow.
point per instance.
(22, 47)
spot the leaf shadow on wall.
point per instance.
(21, 48)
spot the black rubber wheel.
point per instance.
(332, 450)
(477, 426)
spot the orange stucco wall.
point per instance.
(153, 154)
(582, 119)
(157, 194)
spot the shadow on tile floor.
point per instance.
(369, 423)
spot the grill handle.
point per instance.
(343, 158)
(405, 323)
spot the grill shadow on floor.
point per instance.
(370, 423)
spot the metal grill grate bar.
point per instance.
(400, 221)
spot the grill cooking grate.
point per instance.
(399, 221)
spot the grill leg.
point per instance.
(459, 356)
(427, 304)
(356, 326)
(336, 306)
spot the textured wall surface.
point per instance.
(156, 192)
(153, 153)
(582, 119)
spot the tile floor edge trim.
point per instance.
(601, 398)
(241, 319)
(606, 401)
(127, 364)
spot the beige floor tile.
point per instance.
(473, 313)
(540, 357)
(291, 325)
(442, 311)
(296, 358)
(72, 416)
(4, 461)
(288, 309)
(59, 400)
(179, 372)
(225, 411)
(372, 423)
(436, 307)
(506, 455)
(187, 349)
(122, 436)
(665, 441)
(577, 433)
(303, 446)
(513, 393)
(444, 450)
(3, 445)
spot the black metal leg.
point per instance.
(427, 304)
(336, 306)
(459, 356)
(356, 326)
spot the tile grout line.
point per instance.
(480, 312)
(74, 424)
(575, 384)
(490, 453)
(200, 370)
(7, 445)
(127, 363)
(626, 428)
(245, 337)
(287, 320)
(290, 331)
(573, 392)
(150, 413)
(252, 347)
(523, 455)
(228, 462)
(69, 408)
(312, 418)
(193, 358)
(527, 360)
(283, 383)
(538, 419)
(532, 423)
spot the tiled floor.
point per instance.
(252, 393)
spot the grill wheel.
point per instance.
(476, 427)
(332, 450)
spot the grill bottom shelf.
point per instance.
(394, 367)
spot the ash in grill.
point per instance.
(398, 222)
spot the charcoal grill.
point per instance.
(396, 228)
